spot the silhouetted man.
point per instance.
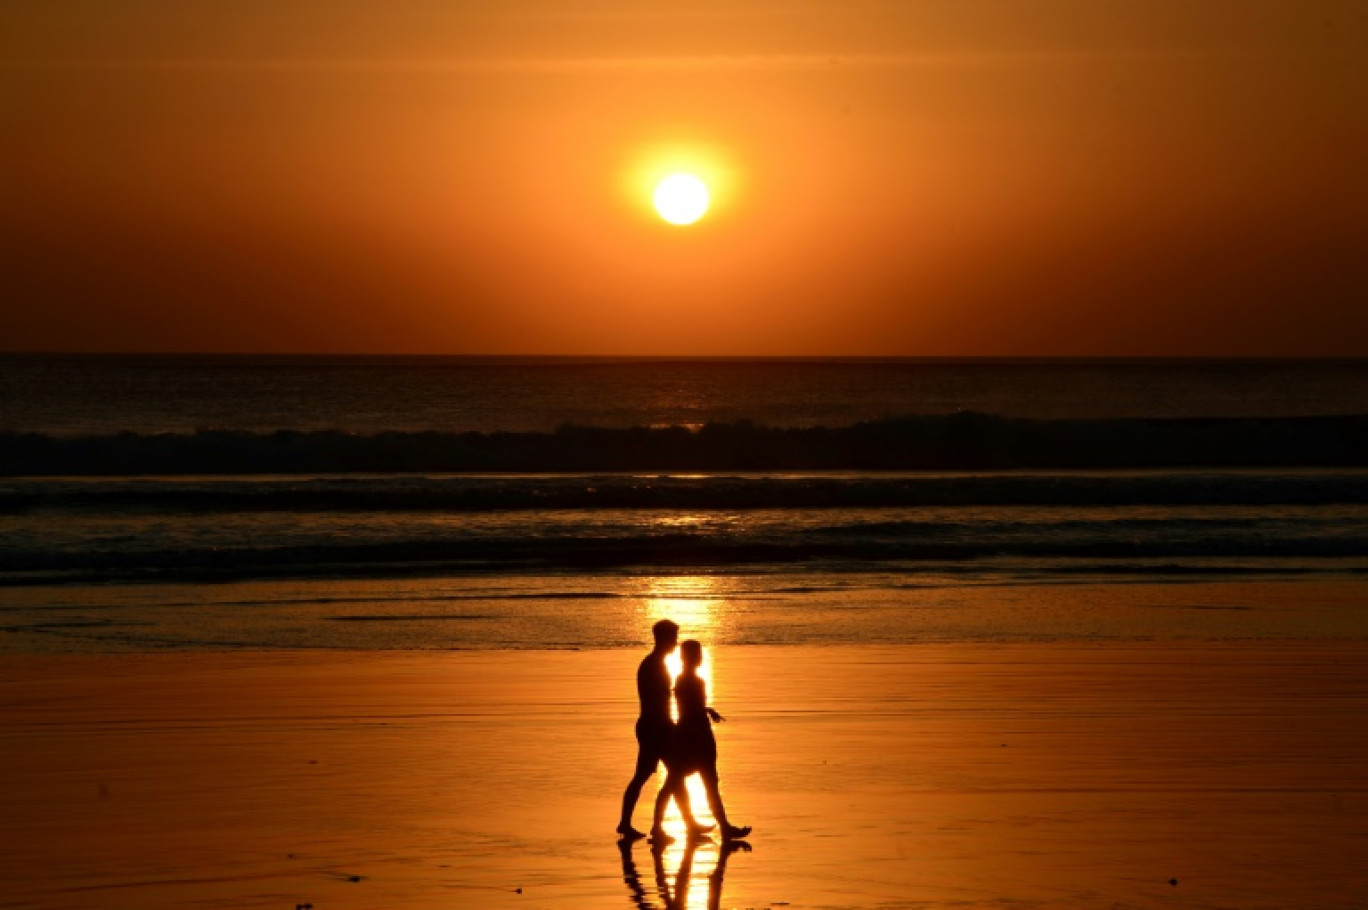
(654, 729)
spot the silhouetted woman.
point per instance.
(694, 749)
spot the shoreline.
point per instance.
(590, 611)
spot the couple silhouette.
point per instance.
(686, 747)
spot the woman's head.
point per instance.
(691, 653)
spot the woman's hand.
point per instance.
(717, 718)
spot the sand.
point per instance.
(1025, 775)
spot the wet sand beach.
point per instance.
(1156, 774)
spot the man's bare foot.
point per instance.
(735, 832)
(629, 833)
(659, 837)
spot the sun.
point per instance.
(681, 198)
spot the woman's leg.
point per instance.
(711, 784)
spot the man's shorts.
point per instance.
(653, 744)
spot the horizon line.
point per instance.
(692, 357)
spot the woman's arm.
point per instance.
(708, 709)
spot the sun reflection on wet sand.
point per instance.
(686, 874)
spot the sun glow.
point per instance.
(680, 182)
(681, 199)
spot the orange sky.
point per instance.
(925, 177)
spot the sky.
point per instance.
(914, 178)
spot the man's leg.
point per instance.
(629, 801)
(673, 787)
(648, 757)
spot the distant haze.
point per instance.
(931, 178)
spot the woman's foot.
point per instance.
(659, 837)
(629, 833)
(735, 832)
(698, 829)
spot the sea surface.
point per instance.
(151, 502)
(75, 394)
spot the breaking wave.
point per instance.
(559, 492)
(962, 441)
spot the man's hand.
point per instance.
(717, 718)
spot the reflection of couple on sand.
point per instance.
(686, 747)
(675, 896)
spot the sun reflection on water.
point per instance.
(693, 601)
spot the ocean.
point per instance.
(185, 502)
(76, 394)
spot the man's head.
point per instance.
(666, 635)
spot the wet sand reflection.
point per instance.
(699, 866)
